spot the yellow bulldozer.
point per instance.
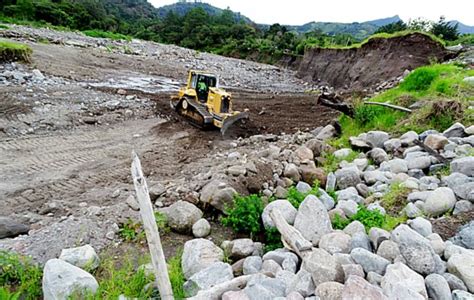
(204, 104)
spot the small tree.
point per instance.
(420, 24)
(393, 27)
(445, 30)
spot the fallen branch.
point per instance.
(401, 108)
(151, 229)
(290, 235)
(217, 291)
(439, 157)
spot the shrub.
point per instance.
(107, 35)
(14, 52)
(295, 197)
(19, 277)
(272, 239)
(245, 215)
(369, 218)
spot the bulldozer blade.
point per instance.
(231, 120)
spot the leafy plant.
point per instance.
(296, 197)
(244, 216)
(272, 239)
(395, 199)
(176, 275)
(19, 277)
(132, 231)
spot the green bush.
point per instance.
(295, 197)
(10, 51)
(369, 218)
(107, 35)
(245, 215)
(19, 277)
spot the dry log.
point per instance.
(290, 235)
(217, 291)
(396, 107)
(151, 230)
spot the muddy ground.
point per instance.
(65, 144)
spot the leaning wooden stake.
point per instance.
(151, 230)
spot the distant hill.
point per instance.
(358, 30)
(182, 8)
(462, 27)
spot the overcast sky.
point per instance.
(298, 12)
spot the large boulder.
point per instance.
(198, 254)
(83, 257)
(10, 228)
(62, 280)
(358, 288)
(336, 242)
(440, 201)
(214, 274)
(218, 194)
(438, 287)
(181, 216)
(417, 251)
(376, 138)
(400, 276)
(323, 267)
(263, 287)
(312, 219)
(370, 262)
(463, 165)
(347, 177)
(462, 265)
(284, 206)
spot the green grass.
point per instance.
(107, 35)
(176, 275)
(19, 277)
(384, 35)
(10, 51)
(395, 199)
(132, 231)
(436, 85)
(4, 26)
(331, 162)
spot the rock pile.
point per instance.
(18, 74)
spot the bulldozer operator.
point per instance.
(202, 90)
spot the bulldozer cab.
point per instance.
(201, 83)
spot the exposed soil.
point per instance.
(447, 227)
(376, 61)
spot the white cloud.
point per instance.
(298, 12)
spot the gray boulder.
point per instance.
(440, 201)
(421, 162)
(465, 236)
(462, 295)
(303, 187)
(181, 216)
(322, 266)
(83, 257)
(349, 207)
(358, 288)
(378, 155)
(214, 274)
(302, 284)
(263, 287)
(198, 254)
(218, 194)
(360, 240)
(437, 286)
(370, 262)
(242, 248)
(347, 177)
(462, 265)
(335, 242)
(354, 227)
(329, 290)
(400, 277)
(417, 251)
(454, 282)
(456, 130)
(421, 225)
(463, 165)
(398, 165)
(201, 228)
(62, 280)
(279, 255)
(389, 250)
(462, 206)
(377, 138)
(291, 171)
(312, 219)
(284, 206)
(352, 269)
(10, 228)
(252, 265)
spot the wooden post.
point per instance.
(151, 230)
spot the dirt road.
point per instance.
(65, 141)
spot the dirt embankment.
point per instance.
(378, 60)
